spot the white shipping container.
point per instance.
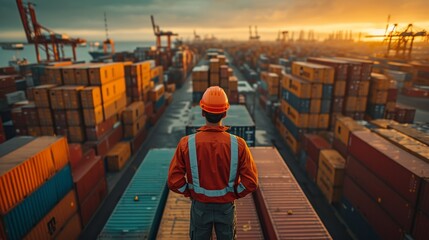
(15, 97)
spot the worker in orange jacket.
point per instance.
(214, 168)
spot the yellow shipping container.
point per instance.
(333, 194)
(93, 116)
(340, 88)
(118, 156)
(333, 164)
(350, 104)
(115, 106)
(313, 72)
(55, 220)
(315, 105)
(324, 120)
(363, 88)
(378, 96)
(361, 104)
(299, 119)
(298, 87)
(156, 72)
(112, 89)
(289, 139)
(91, 97)
(157, 92)
(344, 126)
(379, 82)
(100, 74)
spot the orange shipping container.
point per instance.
(114, 107)
(71, 95)
(313, 120)
(378, 96)
(344, 126)
(340, 88)
(157, 92)
(233, 83)
(118, 156)
(71, 230)
(91, 97)
(93, 116)
(133, 112)
(361, 104)
(363, 88)
(47, 131)
(324, 121)
(214, 65)
(55, 220)
(22, 172)
(112, 90)
(332, 193)
(299, 119)
(214, 79)
(100, 74)
(131, 130)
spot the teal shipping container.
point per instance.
(22, 218)
(139, 211)
(238, 120)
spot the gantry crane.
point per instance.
(45, 40)
(284, 36)
(400, 42)
(158, 33)
(196, 37)
(256, 36)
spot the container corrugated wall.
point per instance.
(26, 214)
(176, 219)
(282, 205)
(21, 172)
(237, 118)
(139, 218)
(52, 223)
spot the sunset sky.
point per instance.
(129, 20)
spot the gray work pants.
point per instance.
(205, 216)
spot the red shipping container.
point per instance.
(424, 197)
(116, 135)
(101, 147)
(313, 144)
(396, 206)
(90, 205)
(76, 155)
(376, 217)
(311, 168)
(100, 130)
(396, 167)
(148, 108)
(421, 226)
(87, 176)
(392, 94)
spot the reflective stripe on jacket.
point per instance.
(212, 166)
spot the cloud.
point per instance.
(222, 17)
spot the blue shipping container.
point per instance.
(160, 103)
(139, 211)
(21, 219)
(358, 225)
(376, 111)
(325, 106)
(196, 96)
(300, 104)
(327, 91)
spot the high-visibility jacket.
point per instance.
(213, 166)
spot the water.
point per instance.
(81, 52)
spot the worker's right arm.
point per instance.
(247, 171)
(176, 176)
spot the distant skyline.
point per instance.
(129, 20)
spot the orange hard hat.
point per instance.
(214, 100)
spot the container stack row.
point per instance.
(216, 73)
(375, 174)
(38, 199)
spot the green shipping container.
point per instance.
(139, 211)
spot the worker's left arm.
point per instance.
(247, 171)
(176, 176)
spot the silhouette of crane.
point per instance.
(255, 37)
(400, 42)
(44, 39)
(196, 37)
(158, 33)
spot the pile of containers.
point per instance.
(37, 200)
(216, 73)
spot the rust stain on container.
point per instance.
(282, 202)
